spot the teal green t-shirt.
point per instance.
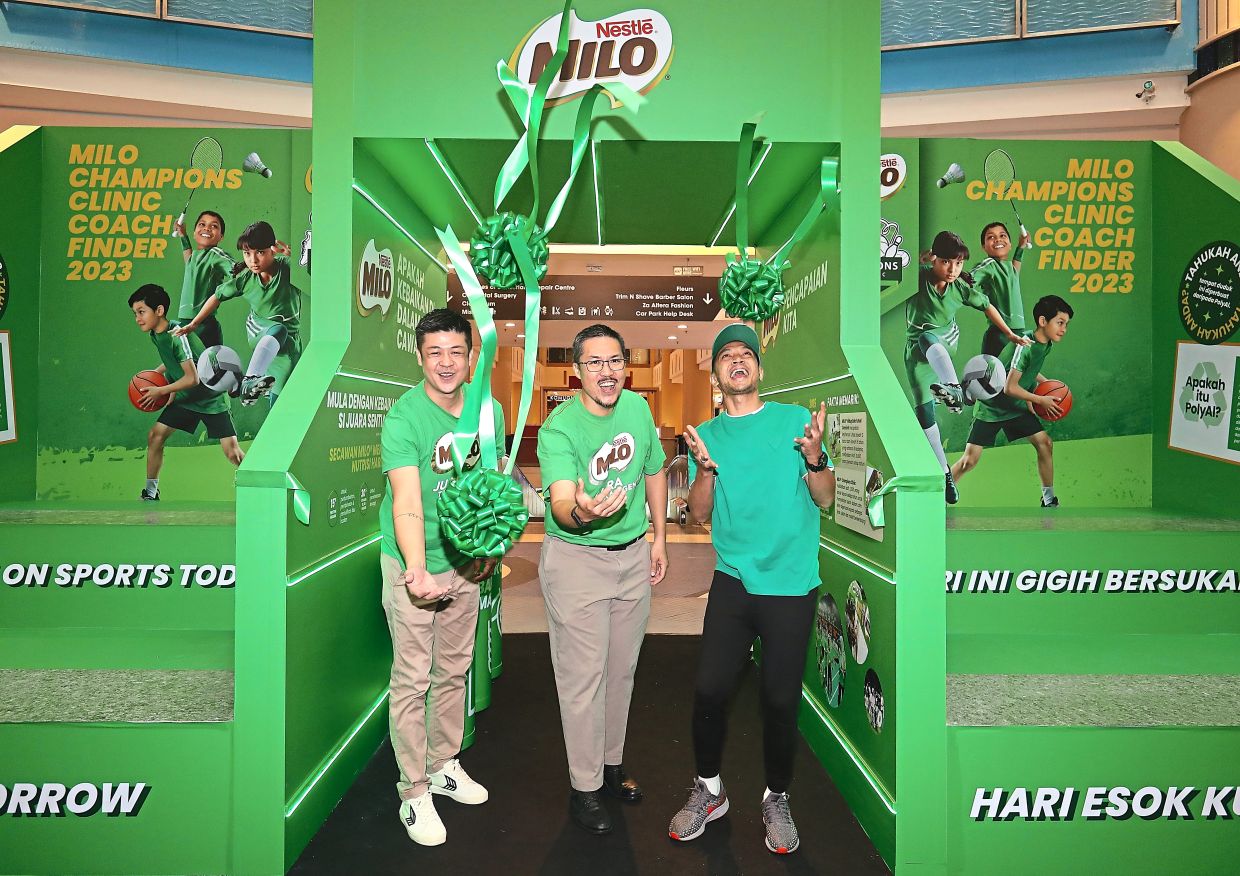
(187, 348)
(1000, 281)
(418, 433)
(206, 271)
(1028, 361)
(765, 523)
(618, 449)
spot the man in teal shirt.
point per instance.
(602, 464)
(760, 472)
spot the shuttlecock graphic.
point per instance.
(955, 174)
(254, 164)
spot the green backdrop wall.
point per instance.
(95, 250)
(19, 314)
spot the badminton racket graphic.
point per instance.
(207, 155)
(1000, 169)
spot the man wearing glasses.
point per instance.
(603, 465)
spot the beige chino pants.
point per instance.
(432, 648)
(598, 604)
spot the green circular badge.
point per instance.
(1210, 293)
(4, 286)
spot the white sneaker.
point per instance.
(452, 781)
(422, 822)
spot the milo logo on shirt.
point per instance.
(441, 457)
(614, 455)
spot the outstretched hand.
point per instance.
(698, 448)
(605, 504)
(811, 444)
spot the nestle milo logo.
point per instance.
(614, 455)
(441, 458)
(374, 280)
(634, 48)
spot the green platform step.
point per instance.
(1093, 700)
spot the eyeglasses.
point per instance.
(594, 366)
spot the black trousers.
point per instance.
(734, 618)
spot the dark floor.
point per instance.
(523, 828)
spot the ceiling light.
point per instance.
(520, 336)
(683, 328)
(510, 325)
(671, 337)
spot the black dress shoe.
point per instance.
(586, 809)
(617, 783)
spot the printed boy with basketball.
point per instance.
(207, 266)
(1012, 411)
(274, 323)
(998, 276)
(188, 406)
(932, 336)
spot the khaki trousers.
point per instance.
(598, 604)
(432, 648)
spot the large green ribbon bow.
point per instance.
(490, 251)
(482, 512)
(752, 289)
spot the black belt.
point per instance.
(617, 547)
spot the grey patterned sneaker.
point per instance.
(950, 395)
(781, 831)
(703, 807)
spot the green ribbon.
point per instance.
(751, 289)
(491, 252)
(874, 508)
(489, 248)
(533, 313)
(482, 513)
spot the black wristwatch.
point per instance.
(581, 524)
(823, 462)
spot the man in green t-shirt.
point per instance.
(274, 323)
(1012, 411)
(206, 268)
(430, 592)
(932, 336)
(602, 465)
(759, 471)
(999, 279)
(189, 404)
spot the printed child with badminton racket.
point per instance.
(998, 274)
(207, 266)
(274, 322)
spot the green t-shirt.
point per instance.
(618, 449)
(205, 271)
(1028, 361)
(418, 433)
(765, 524)
(1000, 282)
(172, 352)
(276, 301)
(928, 310)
